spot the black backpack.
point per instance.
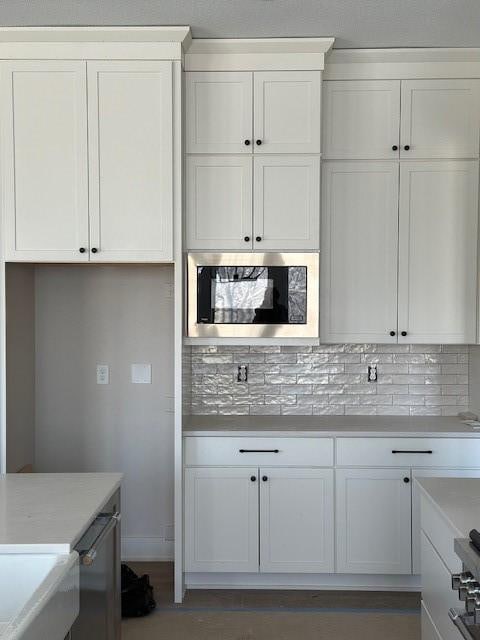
(137, 594)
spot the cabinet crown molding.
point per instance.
(100, 43)
(257, 54)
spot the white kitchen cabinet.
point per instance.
(219, 112)
(296, 520)
(286, 112)
(438, 251)
(221, 519)
(373, 521)
(361, 119)
(44, 160)
(359, 252)
(219, 202)
(286, 211)
(440, 119)
(130, 160)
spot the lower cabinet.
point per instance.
(250, 519)
(373, 521)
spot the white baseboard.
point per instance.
(334, 582)
(147, 549)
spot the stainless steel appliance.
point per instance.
(253, 295)
(100, 575)
(467, 617)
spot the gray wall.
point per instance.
(20, 354)
(115, 315)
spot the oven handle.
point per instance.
(89, 556)
(459, 623)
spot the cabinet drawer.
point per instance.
(408, 452)
(299, 452)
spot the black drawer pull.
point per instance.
(400, 451)
(259, 450)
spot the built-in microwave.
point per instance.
(263, 295)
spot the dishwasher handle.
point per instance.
(89, 556)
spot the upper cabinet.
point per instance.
(130, 160)
(253, 164)
(219, 112)
(69, 200)
(440, 119)
(361, 119)
(378, 119)
(44, 160)
(253, 112)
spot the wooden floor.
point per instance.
(275, 615)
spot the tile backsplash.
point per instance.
(429, 380)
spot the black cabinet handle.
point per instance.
(406, 480)
(407, 147)
(404, 333)
(247, 142)
(258, 239)
(247, 238)
(259, 450)
(411, 451)
(395, 147)
(264, 478)
(253, 478)
(392, 333)
(258, 142)
(82, 249)
(94, 250)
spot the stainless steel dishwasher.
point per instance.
(100, 576)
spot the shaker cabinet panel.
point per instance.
(438, 251)
(440, 119)
(296, 520)
(221, 519)
(219, 202)
(286, 202)
(44, 160)
(219, 112)
(130, 160)
(373, 521)
(361, 119)
(287, 111)
(359, 252)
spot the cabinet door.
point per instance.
(219, 202)
(44, 160)
(440, 119)
(221, 519)
(286, 202)
(429, 473)
(361, 119)
(287, 111)
(373, 521)
(130, 160)
(438, 251)
(359, 252)
(219, 112)
(296, 520)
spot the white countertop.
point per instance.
(458, 500)
(49, 512)
(321, 426)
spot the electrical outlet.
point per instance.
(372, 373)
(242, 375)
(141, 373)
(103, 374)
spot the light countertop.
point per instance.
(321, 426)
(49, 512)
(457, 499)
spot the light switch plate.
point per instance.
(103, 374)
(141, 373)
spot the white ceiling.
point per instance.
(355, 23)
